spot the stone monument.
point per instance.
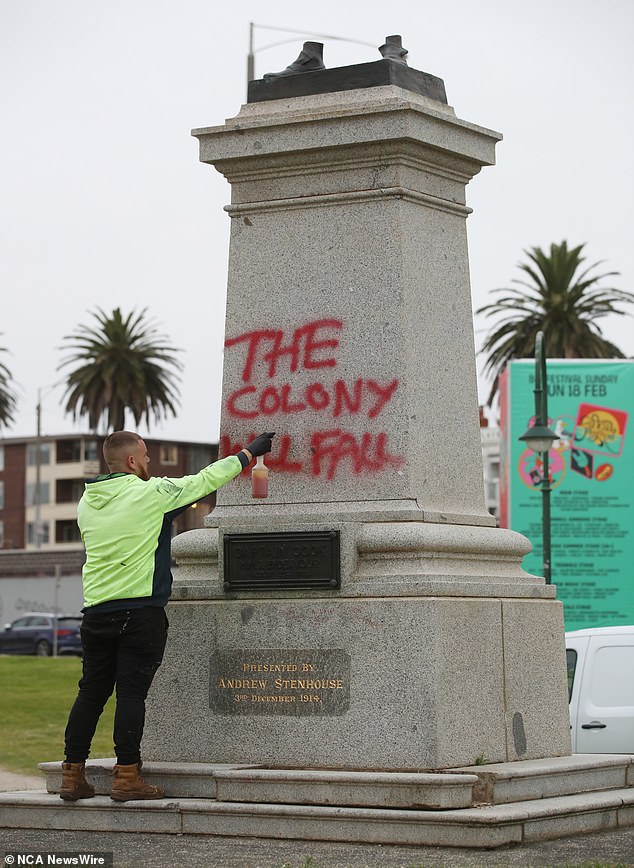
(368, 614)
(360, 656)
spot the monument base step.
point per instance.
(480, 806)
(503, 783)
(491, 784)
(484, 827)
(242, 783)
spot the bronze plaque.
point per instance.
(281, 561)
(280, 681)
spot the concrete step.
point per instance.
(480, 806)
(427, 791)
(503, 783)
(482, 827)
(182, 780)
(494, 784)
(240, 783)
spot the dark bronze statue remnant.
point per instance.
(393, 49)
(376, 73)
(311, 58)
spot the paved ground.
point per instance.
(171, 851)
(10, 782)
(133, 850)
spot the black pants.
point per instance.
(123, 650)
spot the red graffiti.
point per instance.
(271, 355)
(366, 396)
(279, 460)
(303, 350)
(365, 453)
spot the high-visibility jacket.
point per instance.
(125, 523)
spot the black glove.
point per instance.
(261, 445)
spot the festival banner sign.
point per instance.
(591, 409)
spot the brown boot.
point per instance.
(128, 784)
(74, 783)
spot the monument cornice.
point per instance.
(346, 198)
(320, 124)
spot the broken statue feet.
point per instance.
(311, 58)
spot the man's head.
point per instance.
(125, 452)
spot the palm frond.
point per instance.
(559, 298)
(121, 364)
(8, 400)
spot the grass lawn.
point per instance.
(36, 694)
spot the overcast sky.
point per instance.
(104, 202)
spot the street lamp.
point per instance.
(298, 33)
(540, 439)
(37, 499)
(37, 495)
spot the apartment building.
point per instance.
(41, 480)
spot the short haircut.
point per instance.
(118, 445)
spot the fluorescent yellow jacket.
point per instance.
(125, 523)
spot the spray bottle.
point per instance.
(260, 478)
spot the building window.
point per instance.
(68, 490)
(31, 454)
(1, 494)
(169, 454)
(91, 450)
(1, 534)
(68, 451)
(30, 532)
(199, 456)
(67, 531)
(1, 458)
(30, 493)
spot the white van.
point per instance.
(601, 689)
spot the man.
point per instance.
(125, 519)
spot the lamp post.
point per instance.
(540, 439)
(37, 495)
(300, 33)
(37, 499)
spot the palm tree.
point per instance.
(121, 364)
(7, 396)
(559, 300)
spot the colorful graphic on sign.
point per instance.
(591, 472)
(600, 429)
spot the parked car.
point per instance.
(601, 689)
(34, 632)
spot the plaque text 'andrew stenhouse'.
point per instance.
(292, 682)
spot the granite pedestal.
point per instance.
(349, 332)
